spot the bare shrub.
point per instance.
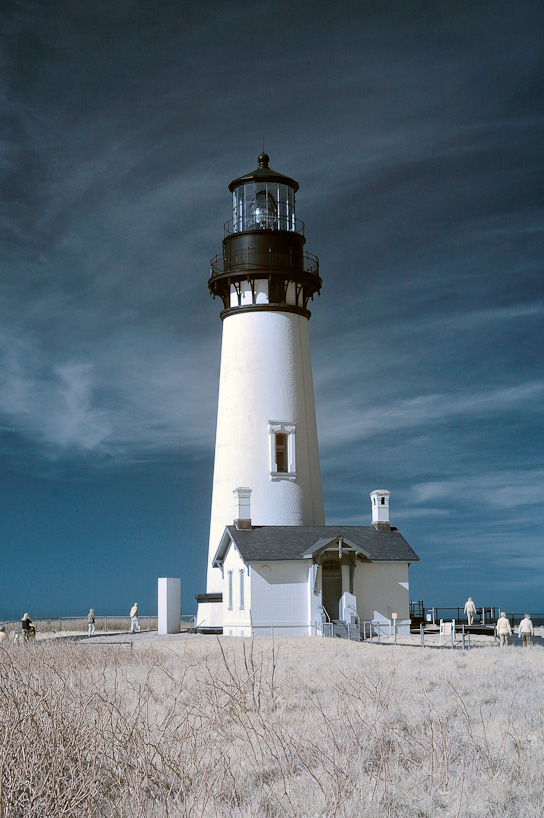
(237, 728)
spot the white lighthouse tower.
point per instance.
(266, 438)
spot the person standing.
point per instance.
(27, 628)
(134, 623)
(504, 631)
(526, 630)
(470, 610)
(90, 622)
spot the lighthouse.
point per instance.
(266, 449)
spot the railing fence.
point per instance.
(102, 624)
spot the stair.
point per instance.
(343, 631)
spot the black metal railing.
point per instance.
(250, 259)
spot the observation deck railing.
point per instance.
(251, 259)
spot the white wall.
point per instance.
(169, 605)
(279, 593)
(314, 599)
(381, 589)
(236, 622)
(266, 375)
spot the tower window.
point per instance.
(383, 501)
(282, 451)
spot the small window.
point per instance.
(241, 589)
(383, 501)
(230, 590)
(281, 453)
(331, 565)
(282, 450)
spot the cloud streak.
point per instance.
(134, 398)
(420, 411)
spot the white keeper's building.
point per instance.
(273, 564)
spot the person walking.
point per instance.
(27, 628)
(470, 610)
(90, 622)
(526, 630)
(134, 624)
(504, 631)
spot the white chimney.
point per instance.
(242, 507)
(380, 509)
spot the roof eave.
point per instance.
(222, 549)
(323, 545)
(264, 175)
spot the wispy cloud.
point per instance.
(506, 489)
(468, 321)
(359, 422)
(127, 398)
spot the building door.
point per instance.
(332, 587)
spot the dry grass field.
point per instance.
(305, 728)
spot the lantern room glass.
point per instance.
(263, 206)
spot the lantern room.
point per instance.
(263, 263)
(263, 200)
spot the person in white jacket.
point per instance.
(504, 631)
(470, 610)
(526, 630)
(134, 623)
(91, 619)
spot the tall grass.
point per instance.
(314, 729)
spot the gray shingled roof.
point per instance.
(285, 542)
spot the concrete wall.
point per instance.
(381, 589)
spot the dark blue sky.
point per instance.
(416, 133)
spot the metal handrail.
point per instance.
(249, 259)
(325, 611)
(351, 608)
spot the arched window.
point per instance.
(330, 565)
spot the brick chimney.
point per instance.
(380, 509)
(242, 507)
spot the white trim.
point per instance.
(289, 429)
(230, 593)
